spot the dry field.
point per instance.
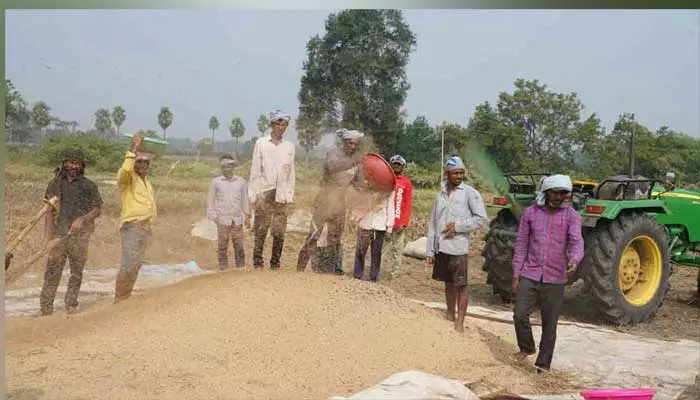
(258, 334)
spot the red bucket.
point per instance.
(378, 172)
(619, 394)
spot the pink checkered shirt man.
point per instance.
(549, 245)
(548, 240)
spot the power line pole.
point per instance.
(631, 150)
(442, 153)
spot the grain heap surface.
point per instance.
(272, 335)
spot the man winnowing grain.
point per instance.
(342, 169)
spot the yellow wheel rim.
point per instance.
(640, 270)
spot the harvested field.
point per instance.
(261, 335)
(273, 335)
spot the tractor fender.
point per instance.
(611, 210)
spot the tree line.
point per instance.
(534, 129)
(25, 123)
(354, 76)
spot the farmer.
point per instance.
(458, 210)
(549, 246)
(228, 206)
(341, 170)
(137, 215)
(403, 195)
(79, 205)
(271, 188)
(371, 230)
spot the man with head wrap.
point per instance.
(548, 247)
(229, 208)
(271, 188)
(341, 170)
(79, 205)
(458, 210)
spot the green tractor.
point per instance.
(635, 230)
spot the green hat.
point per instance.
(73, 154)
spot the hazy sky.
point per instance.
(244, 63)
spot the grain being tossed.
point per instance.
(341, 170)
(315, 205)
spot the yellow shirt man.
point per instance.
(137, 195)
(137, 214)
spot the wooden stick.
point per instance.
(49, 205)
(13, 274)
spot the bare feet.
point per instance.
(541, 370)
(450, 316)
(459, 327)
(521, 356)
(72, 310)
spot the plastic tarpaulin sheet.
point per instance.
(601, 357)
(414, 385)
(97, 284)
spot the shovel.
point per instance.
(13, 274)
(51, 204)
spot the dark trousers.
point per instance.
(365, 238)
(233, 233)
(327, 262)
(550, 297)
(269, 216)
(75, 250)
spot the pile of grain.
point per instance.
(271, 335)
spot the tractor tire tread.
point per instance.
(603, 253)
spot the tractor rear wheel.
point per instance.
(498, 254)
(629, 268)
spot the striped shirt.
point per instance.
(547, 240)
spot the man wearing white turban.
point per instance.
(271, 187)
(548, 247)
(458, 211)
(341, 170)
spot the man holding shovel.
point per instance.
(79, 205)
(137, 214)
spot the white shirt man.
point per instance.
(271, 187)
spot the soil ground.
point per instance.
(242, 312)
